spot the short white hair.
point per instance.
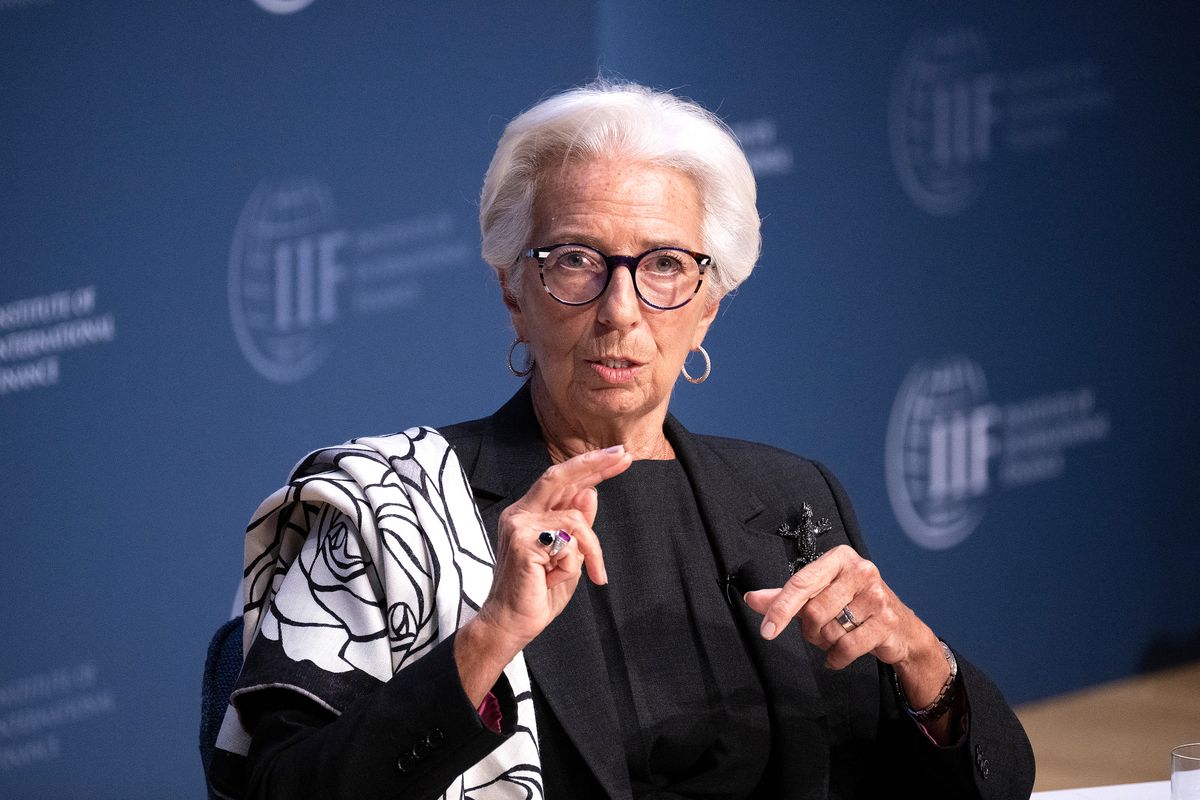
(607, 119)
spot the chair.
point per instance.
(221, 668)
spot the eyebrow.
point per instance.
(591, 241)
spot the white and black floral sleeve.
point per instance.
(371, 555)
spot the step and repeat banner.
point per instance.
(232, 232)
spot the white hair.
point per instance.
(607, 119)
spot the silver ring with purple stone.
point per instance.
(555, 540)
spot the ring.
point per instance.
(555, 540)
(847, 619)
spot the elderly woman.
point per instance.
(416, 622)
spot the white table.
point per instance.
(1155, 790)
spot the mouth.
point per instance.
(615, 370)
(616, 363)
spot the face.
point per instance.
(611, 363)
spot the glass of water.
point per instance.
(1185, 772)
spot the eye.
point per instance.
(575, 258)
(665, 263)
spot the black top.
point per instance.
(691, 707)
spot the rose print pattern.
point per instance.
(372, 554)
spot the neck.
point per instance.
(567, 437)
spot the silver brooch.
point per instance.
(803, 534)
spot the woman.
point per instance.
(732, 639)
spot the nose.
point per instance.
(619, 306)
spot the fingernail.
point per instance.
(616, 448)
(768, 629)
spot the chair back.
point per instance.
(221, 668)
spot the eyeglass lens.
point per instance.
(664, 278)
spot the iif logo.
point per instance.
(959, 449)
(283, 6)
(942, 119)
(285, 269)
(940, 446)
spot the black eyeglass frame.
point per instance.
(612, 262)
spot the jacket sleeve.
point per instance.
(328, 711)
(992, 760)
(408, 738)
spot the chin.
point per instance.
(617, 401)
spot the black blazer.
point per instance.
(835, 734)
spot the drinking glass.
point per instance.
(1185, 772)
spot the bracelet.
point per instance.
(946, 697)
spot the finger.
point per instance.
(853, 645)
(583, 539)
(803, 586)
(833, 631)
(823, 608)
(564, 566)
(585, 502)
(760, 599)
(588, 545)
(559, 485)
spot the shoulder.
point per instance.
(779, 478)
(367, 459)
(764, 461)
(466, 438)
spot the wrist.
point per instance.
(923, 670)
(928, 700)
(496, 635)
(481, 653)
(490, 640)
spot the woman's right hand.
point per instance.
(529, 586)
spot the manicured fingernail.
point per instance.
(616, 448)
(768, 629)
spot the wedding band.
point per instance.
(847, 619)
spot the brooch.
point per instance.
(803, 535)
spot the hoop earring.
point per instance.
(707, 367)
(528, 368)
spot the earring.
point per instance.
(707, 367)
(520, 373)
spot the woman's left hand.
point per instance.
(888, 629)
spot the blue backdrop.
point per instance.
(234, 232)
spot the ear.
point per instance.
(706, 319)
(512, 304)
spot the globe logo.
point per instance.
(284, 272)
(938, 451)
(941, 119)
(283, 6)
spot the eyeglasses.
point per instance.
(665, 278)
